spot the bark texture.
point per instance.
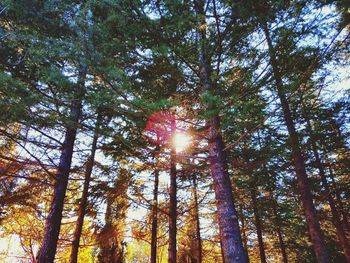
(230, 237)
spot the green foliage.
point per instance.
(141, 58)
(15, 99)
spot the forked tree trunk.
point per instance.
(83, 203)
(154, 231)
(173, 202)
(230, 236)
(298, 161)
(48, 247)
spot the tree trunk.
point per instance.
(279, 230)
(110, 250)
(48, 248)
(335, 215)
(282, 244)
(339, 199)
(258, 225)
(154, 230)
(298, 161)
(173, 202)
(230, 237)
(84, 197)
(275, 212)
(198, 251)
(253, 195)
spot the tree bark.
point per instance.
(154, 231)
(298, 161)
(343, 240)
(48, 248)
(232, 247)
(84, 197)
(230, 237)
(173, 202)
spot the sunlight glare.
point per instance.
(181, 141)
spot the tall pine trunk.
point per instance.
(84, 197)
(343, 240)
(173, 201)
(277, 218)
(48, 247)
(154, 231)
(253, 195)
(243, 229)
(258, 225)
(279, 231)
(198, 240)
(230, 236)
(298, 161)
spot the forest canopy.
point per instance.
(199, 131)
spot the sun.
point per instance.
(181, 141)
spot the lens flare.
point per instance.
(181, 141)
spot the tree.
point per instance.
(112, 234)
(93, 95)
(85, 194)
(228, 222)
